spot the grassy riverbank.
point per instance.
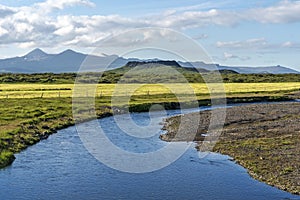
(264, 138)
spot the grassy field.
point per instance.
(200, 89)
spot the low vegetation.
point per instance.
(125, 75)
(201, 90)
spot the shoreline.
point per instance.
(263, 138)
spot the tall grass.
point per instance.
(66, 90)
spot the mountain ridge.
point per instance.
(38, 61)
(242, 70)
(36, 54)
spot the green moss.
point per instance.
(6, 158)
(288, 170)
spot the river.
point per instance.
(61, 168)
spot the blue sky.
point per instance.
(240, 33)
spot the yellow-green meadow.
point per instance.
(199, 89)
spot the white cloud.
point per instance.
(27, 44)
(284, 12)
(40, 25)
(200, 37)
(290, 44)
(5, 11)
(287, 44)
(37, 24)
(3, 31)
(204, 5)
(194, 19)
(50, 5)
(256, 44)
(228, 56)
(141, 36)
(250, 43)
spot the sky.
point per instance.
(236, 33)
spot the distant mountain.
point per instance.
(152, 71)
(260, 70)
(36, 55)
(154, 64)
(242, 70)
(37, 61)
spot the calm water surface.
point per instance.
(61, 168)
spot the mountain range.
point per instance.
(37, 61)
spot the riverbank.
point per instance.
(263, 138)
(24, 122)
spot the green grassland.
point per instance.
(129, 76)
(201, 90)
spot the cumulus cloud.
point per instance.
(36, 24)
(5, 11)
(40, 25)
